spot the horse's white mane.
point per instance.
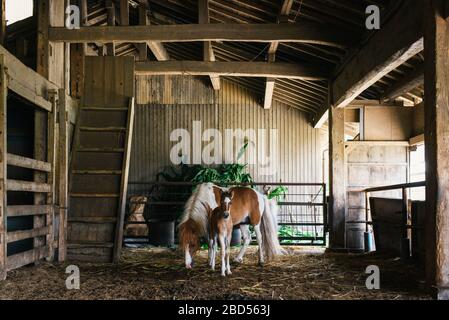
(195, 209)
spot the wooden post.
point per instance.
(40, 117)
(2, 22)
(124, 12)
(3, 175)
(110, 6)
(143, 21)
(51, 176)
(77, 59)
(337, 178)
(63, 176)
(436, 101)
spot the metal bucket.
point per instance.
(236, 237)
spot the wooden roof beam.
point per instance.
(411, 81)
(231, 69)
(208, 51)
(304, 32)
(384, 52)
(270, 83)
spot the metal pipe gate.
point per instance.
(302, 215)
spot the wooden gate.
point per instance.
(30, 86)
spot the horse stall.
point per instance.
(140, 140)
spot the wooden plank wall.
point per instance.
(165, 103)
(371, 166)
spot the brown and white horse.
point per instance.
(220, 231)
(249, 206)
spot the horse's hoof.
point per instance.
(229, 272)
(261, 264)
(239, 261)
(223, 274)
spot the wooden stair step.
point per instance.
(105, 109)
(93, 219)
(79, 245)
(95, 195)
(103, 150)
(103, 129)
(98, 172)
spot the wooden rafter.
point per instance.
(384, 52)
(412, 80)
(231, 69)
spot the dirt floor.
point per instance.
(160, 274)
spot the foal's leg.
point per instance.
(212, 253)
(228, 252)
(259, 241)
(246, 241)
(222, 240)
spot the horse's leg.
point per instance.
(211, 253)
(221, 238)
(228, 252)
(188, 258)
(259, 241)
(246, 241)
(214, 251)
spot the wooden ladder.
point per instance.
(98, 183)
(98, 171)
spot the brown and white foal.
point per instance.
(220, 231)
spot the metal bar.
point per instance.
(395, 186)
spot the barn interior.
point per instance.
(351, 118)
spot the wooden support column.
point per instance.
(110, 6)
(51, 176)
(436, 101)
(208, 51)
(337, 177)
(2, 22)
(156, 47)
(3, 166)
(63, 175)
(77, 59)
(143, 21)
(270, 83)
(124, 12)
(40, 116)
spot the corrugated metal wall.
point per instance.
(165, 103)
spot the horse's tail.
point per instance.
(269, 230)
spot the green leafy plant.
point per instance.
(279, 193)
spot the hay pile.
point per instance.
(159, 274)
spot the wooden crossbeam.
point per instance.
(304, 32)
(231, 69)
(28, 186)
(396, 42)
(23, 162)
